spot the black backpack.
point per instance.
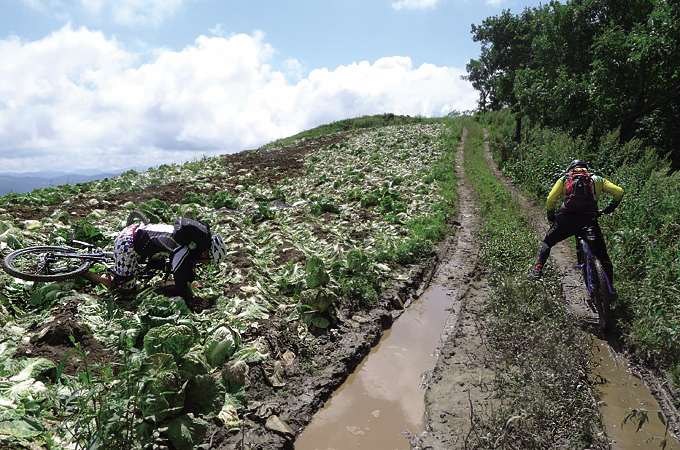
(580, 192)
(193, 234)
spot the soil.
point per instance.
(52, 341)
(270, 166)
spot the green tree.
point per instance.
(506, 48)
(586, 66)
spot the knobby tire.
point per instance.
(602, 296)
(23, 264)
(137, 216)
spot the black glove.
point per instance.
(608, 210)
(551, 216)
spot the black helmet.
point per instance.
(577, 163)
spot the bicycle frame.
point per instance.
(95, 257)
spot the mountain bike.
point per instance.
(599, 286)
(54, 263)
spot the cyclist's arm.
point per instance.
(98, 278)
(615, 192)
(555, 194)
(106, 279)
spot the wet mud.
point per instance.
(52, 340)
(621, 392)
(451, 377)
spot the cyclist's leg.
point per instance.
(562, 228)
(125, 260)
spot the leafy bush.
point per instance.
(191, 197)
(85, 231)
(157, 211)
(262, 213)
(175, 340)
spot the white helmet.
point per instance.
(218, 250)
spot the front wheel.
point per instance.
(602, 297)
(44, 264)
(137, 216)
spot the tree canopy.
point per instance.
(586, 66)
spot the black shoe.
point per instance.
(537, 273)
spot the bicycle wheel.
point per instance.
(43, 264)
(581, 260)
(137, 216)
(602, 296)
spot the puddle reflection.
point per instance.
(622, 393)
(383, 397)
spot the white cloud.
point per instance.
(143, 12)
(122, 12)
(76, 98)
(414, 4)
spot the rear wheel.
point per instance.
(43, 264)
(581, 259)
(602, 297)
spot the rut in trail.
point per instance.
(462, 370)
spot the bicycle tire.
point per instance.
(23, 264)
(581, 260)
(137, 215)
(601, 297)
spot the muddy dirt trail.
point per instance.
(464, 363)
(454, 384)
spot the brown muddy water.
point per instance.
(382, 401)
(383, 398)
(620, 393)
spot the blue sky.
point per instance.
(110, 84)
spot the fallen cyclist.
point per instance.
(187, 242)
(580, 190)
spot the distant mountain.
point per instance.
(20, 183)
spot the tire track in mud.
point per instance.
(461, 377)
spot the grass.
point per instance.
(541, 380)
(352, 124)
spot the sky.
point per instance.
(120, 84)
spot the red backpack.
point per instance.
(580, 192)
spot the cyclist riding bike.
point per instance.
(187, 242)
(580, 190)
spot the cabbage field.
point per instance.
(318, 226)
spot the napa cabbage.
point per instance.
(220, 345)
(175, 340)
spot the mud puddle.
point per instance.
(383, 398)
(622, 392)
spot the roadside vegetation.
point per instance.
(643, 234)
(543, 359)
(84, 368)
